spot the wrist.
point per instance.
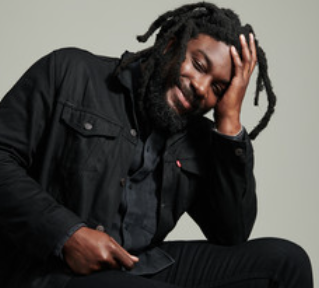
(228, 125)
(59, 247)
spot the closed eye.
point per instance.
(199, 66)
(219, 90)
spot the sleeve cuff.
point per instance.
(238, 137)
(59, 247)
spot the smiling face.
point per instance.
(178, 95)
(204, 76)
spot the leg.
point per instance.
(115, 279)
(262, 263)
(256, 263)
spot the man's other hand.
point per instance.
(88, 250)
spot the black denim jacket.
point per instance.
(67, 137)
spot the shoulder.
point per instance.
(77, 57)
(80, 54)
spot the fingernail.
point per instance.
(242, 36)
(233, 48)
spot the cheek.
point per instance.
(210, 103)
(186, 68)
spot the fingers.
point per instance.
(122, 257)
(237, 61)
(249, 54)
(88, 250)
(253, 50)
(115, 256)
(228, 109)
(244, 67)
(246, 55)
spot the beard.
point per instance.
(155, 105)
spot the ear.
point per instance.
(170, 45)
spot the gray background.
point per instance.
(286, 153)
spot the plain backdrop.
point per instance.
(286, 153)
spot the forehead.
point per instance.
(216, 52)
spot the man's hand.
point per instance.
(88, 250)
(227, 111)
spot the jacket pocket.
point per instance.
(191, 166)
(88, 137)
(183, 182)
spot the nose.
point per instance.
(201, 86)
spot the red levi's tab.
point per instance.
(178, 163)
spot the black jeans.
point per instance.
(257, 263)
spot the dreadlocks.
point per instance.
(187, 22)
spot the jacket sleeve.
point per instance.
(29, 217)
(225, 207)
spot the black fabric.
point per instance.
(136, 220)
(66, 144)
(260, 263)
(115, 279)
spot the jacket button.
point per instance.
(239, 152)
(100, 228)
(133, 132)
(87, 126)
(123, 182)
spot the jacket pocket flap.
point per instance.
(89, 124)
(190, 165)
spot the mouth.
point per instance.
(178, 101)
(182, 99)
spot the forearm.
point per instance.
(30, 217)
(226, 207)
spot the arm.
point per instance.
(226, 207)
(228, 109)
(29, 216)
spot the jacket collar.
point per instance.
(129, 78)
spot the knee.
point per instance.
(290, 262)
(287, 252)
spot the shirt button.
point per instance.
(87, 126)
(239, 152)
(133, 132)
(123, 182)
(100, 228)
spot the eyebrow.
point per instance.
(210, 65)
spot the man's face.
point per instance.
(204, 76)
(177, 96)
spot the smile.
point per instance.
(181, 100)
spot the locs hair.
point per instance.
(187, 22)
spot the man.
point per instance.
(100, 157)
